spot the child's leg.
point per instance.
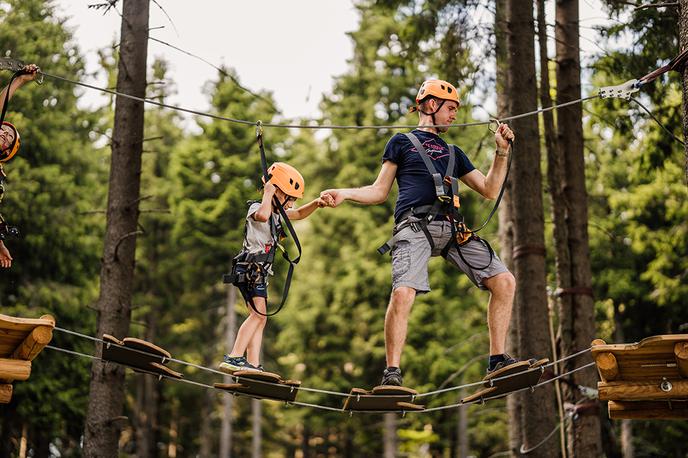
(254, 345)
(253, 324)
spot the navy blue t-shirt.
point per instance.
(416, 186)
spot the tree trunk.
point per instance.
(577, 314)
(683, 44)
(390, 435)
(106, 395)
(462, 446)
(554, 180)
(256, 420)
(528, 257)
(147, 430)
(627, 447)
(172, 446)
(206, 427)
(228, 401)
(506, 229)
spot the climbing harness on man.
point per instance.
(252, 269)
(448, 203)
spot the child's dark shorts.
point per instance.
(260, 289)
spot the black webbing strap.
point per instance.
(501, 190)
(436, 177)
(6, 100)
(273, 229)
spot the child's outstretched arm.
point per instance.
(305, 210)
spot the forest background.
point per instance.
(194, 184)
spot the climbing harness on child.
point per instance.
(252, 269)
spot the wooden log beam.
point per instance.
(14, 369)
(607, 365)
(681, 354)
(638, 410)
(638, 391)
(35, 342)
(5, 393)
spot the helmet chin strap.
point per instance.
(432, 115)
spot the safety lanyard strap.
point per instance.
(501, 191)
(5, 102)
(285, 222)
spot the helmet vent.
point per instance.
(296, 186)
(291, 181)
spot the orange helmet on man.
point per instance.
(438, 89)
(287, 179)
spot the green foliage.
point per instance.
(639, 202)
(54, 185)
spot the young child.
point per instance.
(255, 260)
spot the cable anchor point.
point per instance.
(622, 91)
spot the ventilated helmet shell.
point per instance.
(287, 178)
(9, 152)
(437, 88)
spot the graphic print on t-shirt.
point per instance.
(434, 149)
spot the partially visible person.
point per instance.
(9, 146)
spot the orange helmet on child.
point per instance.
(435, 88)
(8, 153)
(287, 178)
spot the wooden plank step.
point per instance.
(658, 410)
(382, 398)
(637, 391)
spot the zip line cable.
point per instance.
(311, 126)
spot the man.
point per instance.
(10, 142)
(428, 222)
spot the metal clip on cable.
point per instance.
(622, 91)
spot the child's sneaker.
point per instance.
(260, 368)
(391, 376)
(235, 363)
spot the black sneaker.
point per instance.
(391, 376)
(508, 361)
(231, 364)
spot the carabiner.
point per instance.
(494, 125)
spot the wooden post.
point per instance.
(5, 393)
(34, 343)
(681, 354)
(14, 369)
(607, 366)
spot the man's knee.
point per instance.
(402, 298)
(503, 283)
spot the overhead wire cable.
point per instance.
(666, 129)
(310, 126)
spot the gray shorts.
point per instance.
(412, 252)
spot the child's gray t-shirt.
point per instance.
(258, 235)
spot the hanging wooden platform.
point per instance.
(261, 385)
(645, 380)
(140, 355)
(382, 398)
(514, 377)
(21, 340)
